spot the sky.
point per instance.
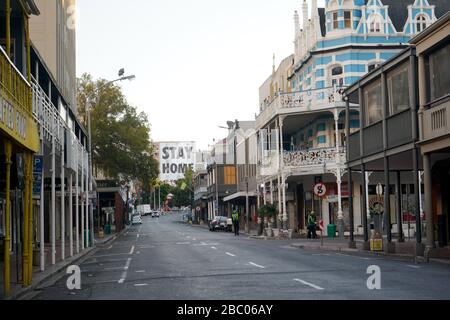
(198, 63)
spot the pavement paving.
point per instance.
(167, 259)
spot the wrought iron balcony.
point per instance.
(314, 157)
(299, 101)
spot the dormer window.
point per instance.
(375, 23)
(421, 23)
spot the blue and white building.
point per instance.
(302, 127)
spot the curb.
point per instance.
(346, 249)
(83, 256)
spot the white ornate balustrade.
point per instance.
(51, 124)
(300, 101)
(313, 157)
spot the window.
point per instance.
(321, 127)
(421, 23)
(230, 175)
(372, 66)
(321, 139)
(354, 124)
(335, 20)
(336, 76)
(375, 23)
(398, 86)
(372, 103)
(439, 73)
(310, 133)
(347, 19)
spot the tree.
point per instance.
(121, 145)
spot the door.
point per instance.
(300, 207)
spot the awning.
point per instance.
(239, 195)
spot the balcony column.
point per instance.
(53, 192)
(280, 207)
(70, 215)
(339, 177)
(63, 204)
(271, 192)
(429, 218)
(285, 215)
(264, 193)
(7, 241)
(8, 27)
(77, 208)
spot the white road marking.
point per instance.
(214, 248)
(140, 271)
(309, 284)
(141, 285)
(342, 254)
(257, 265)
(117, 268)
(132, 250)
(411, 266)
(137, 236)
(230, 254)
(109, 248)
(194, 239)
(124, 274)
(183, 243)
(111, 255)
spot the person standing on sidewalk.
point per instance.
(235, 218)
(312, 225)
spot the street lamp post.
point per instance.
(247, 210)
(88, 111)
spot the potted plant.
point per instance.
(268, 212)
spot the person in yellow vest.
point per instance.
(235, 218)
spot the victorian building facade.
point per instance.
(301, 125)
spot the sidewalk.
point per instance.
(18, 292)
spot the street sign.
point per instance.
(38, 162)
(320, 190)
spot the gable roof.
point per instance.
(398, 10)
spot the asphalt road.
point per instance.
(166, 259)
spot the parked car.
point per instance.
(155, 214)
(137, 219)
(221, 224)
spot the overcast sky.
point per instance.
(198, 63)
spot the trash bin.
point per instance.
(331, 230)
(107, 229)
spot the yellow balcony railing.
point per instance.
(14, 87)
(16, 117)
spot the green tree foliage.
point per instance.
(121, 144)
